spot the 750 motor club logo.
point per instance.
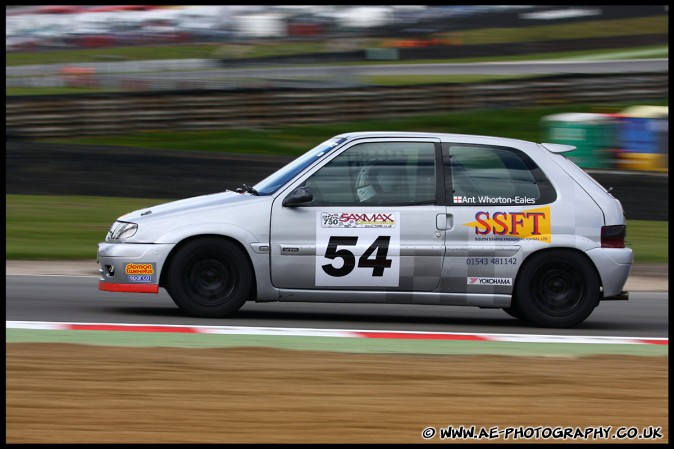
(356, 220)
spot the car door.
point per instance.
(372, 222)
(498, 205)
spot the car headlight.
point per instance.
(121, 230)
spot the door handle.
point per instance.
(444, 222)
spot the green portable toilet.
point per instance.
(593, 135)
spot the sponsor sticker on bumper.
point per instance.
(140, 272)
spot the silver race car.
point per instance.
(388, 217)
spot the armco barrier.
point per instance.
(208, 108)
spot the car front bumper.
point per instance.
(131, 267)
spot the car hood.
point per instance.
(208, 214)
(188, 206)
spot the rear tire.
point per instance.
(210, 277)
(557, 288)
(514, 312)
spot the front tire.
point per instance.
(210, 277)
(557, 288)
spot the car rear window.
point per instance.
(495, 175)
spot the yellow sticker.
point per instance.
(533, 224)
(139, 268)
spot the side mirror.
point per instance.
(298, 196)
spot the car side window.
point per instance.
(495, 175)
(374, 173)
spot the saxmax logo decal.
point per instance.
(532, 224)
(357, 220)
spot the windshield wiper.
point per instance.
(246, 189)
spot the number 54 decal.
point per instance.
(361, 254)
(378, 264)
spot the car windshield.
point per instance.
(279, 178)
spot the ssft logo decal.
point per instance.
(533, 224)
(357, 249)
(490, 281)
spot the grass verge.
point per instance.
(517, 123)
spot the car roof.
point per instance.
(444, 137)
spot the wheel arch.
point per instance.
(169, 259)
(550, 252)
